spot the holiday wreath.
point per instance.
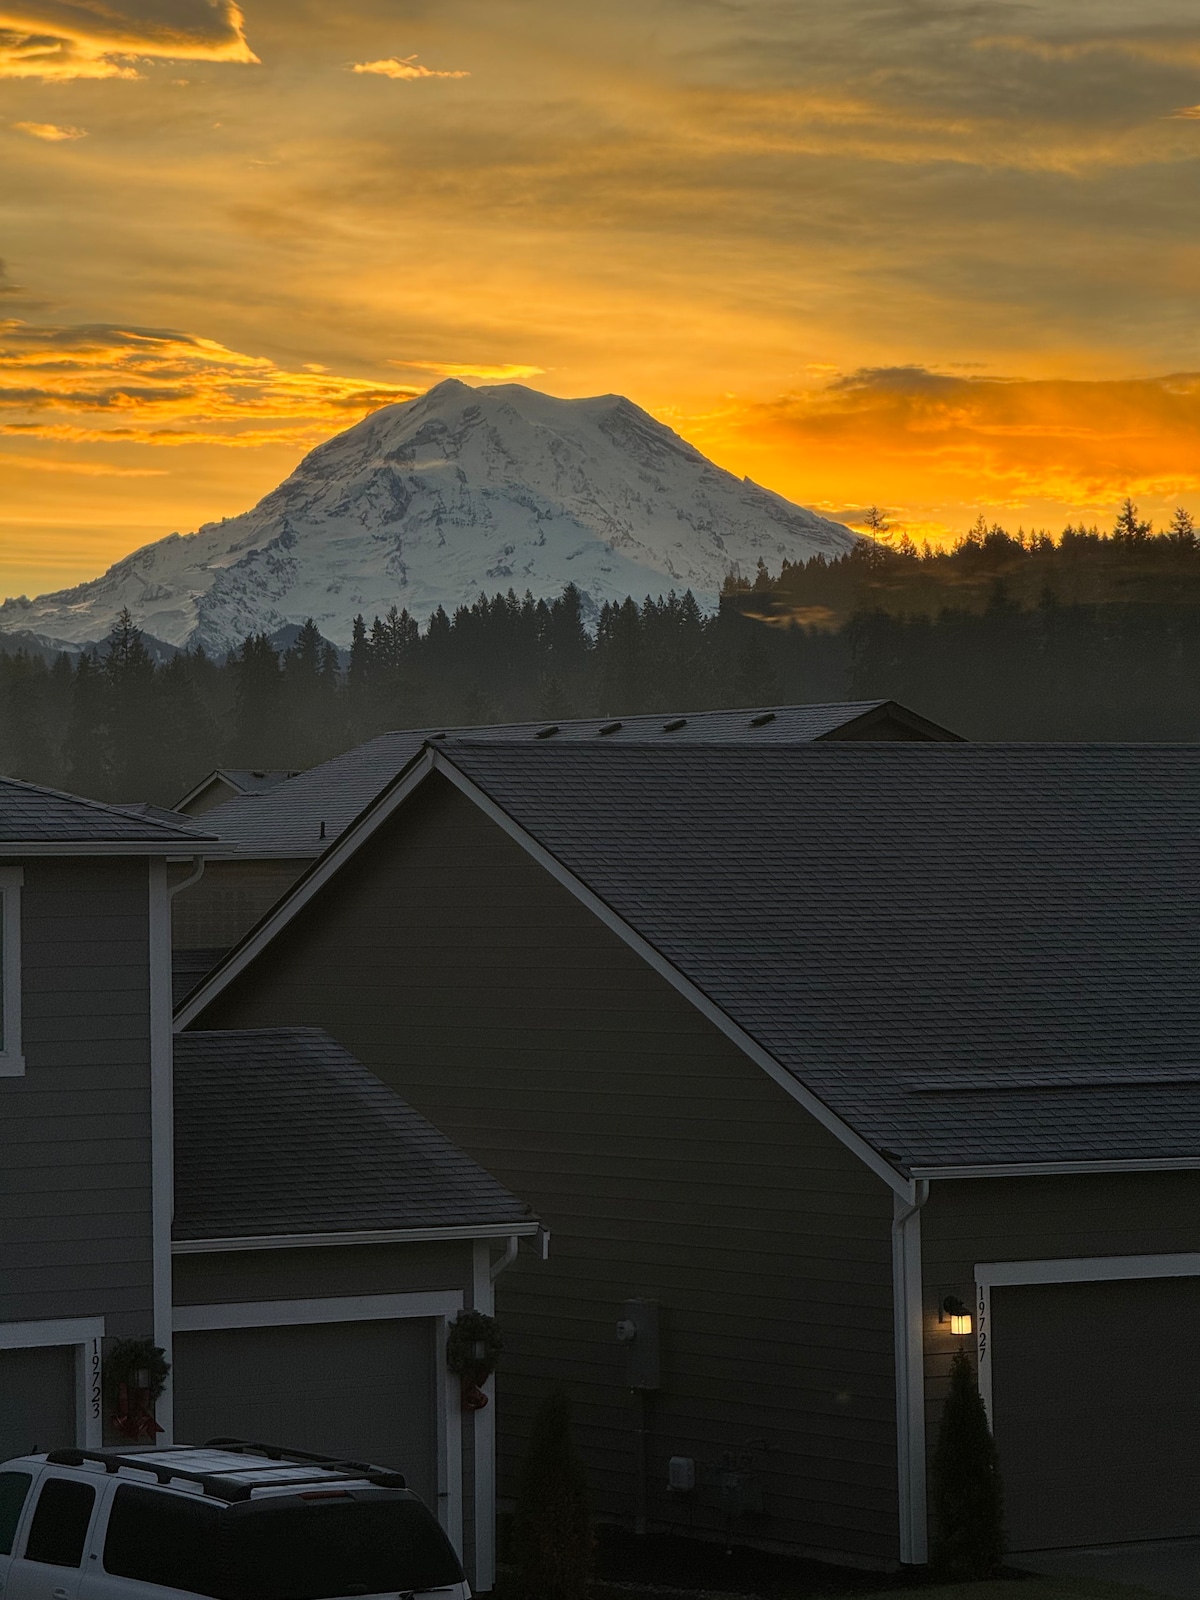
(473, 1345)
(138, 1364)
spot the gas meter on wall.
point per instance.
(637, 1330)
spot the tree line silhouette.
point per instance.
(1091, 636)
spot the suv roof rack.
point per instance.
(222, 1485)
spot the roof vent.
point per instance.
(675, 724)
(609, 727)
(437, 735)
(322, 833)
(547, 733)
(761, 720)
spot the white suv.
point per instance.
(232, 1520)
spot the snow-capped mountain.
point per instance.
(432, 501)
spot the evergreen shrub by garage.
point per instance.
(968, 1505)
(552, 1528)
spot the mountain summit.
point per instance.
(434, 500)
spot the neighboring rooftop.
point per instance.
(226, 783)
(973, 954)
(32, 815)
(301, 817)
(281, 1131)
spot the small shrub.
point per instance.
(552, 1527)
(968, 1507)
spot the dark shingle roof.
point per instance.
(281, 1131)
(973, 954)
(30, 814)
(288, 818)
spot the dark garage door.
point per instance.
(1096, 1410)
(37, 1400)
(362, 1390)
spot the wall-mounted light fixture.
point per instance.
(959, 1318)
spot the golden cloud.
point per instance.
(1164, 49)
(403, 67)
(58, 40)
(162, 387)
(506, 372)
(50, 131)
(908, 435)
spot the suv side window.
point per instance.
(58, 1533)
(168, 1539)
(14, 1486)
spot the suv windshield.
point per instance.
(364, 1543)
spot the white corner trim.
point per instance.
(484, 1424)
(708, 1008)
(86, 1334)
(162, 1127)
(296, 1313)
(908, 1334)
(320, 1241)
(12, 1061)
(304, 890)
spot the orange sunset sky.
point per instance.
(940, 255)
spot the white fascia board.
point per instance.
(170, 849)
(302, 892)
(252, 852)
(1086, 1269)
(319, 1241)
(1064, 1169)
(654, 958)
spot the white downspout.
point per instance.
(909, 1340)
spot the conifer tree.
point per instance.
(967, 1500)
(1129, 527)
(552, 1529)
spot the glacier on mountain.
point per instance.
(432, 501)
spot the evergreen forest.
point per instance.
(1090, 636)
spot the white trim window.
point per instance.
(12, 1062)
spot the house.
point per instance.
(85, 1091)
(274, 830)
(293, 1236)
(794, 1048)
(228, 783)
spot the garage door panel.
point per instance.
(37, 1400)
(362, 1390)
(1096, 1411)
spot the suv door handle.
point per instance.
(62, 1594)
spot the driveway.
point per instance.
(1169, 1567)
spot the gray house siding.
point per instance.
(665, 1163)
(75, 1218)
(228, 900)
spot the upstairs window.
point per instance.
(12, 1063)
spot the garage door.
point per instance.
(37, 1399)
(362, 1390)
(1096, 1411)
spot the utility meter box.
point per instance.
(637, 1331)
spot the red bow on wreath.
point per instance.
(136, 1420)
